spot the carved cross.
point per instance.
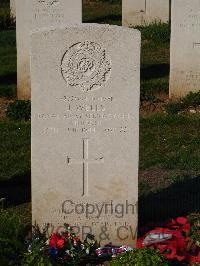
(144, 9)
(85, 161)
(145, 6)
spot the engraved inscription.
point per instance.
(85, 161)
(49, 3)
(87, 115)
(86, 65)
(196, 45)
(48, 12)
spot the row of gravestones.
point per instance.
(141, 12)
(135, 12)
(185, 41)
(85, 83)
(185, 37)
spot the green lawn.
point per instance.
(155, 55)
(8, 64)
(102, 12)
(14, 150)
(170, 142)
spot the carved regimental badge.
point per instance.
(85, 65)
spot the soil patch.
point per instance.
(4, 102)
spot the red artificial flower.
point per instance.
(53, 241)
(60, 243)
(169, 253)
(181, 220)
(186, 228)
(140, 243)
(180, 257)
(194, 259)
(56, 241)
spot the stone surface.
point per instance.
(141, 12)
(13, 8)
(33, 15)
(185, 48)
(85, 120)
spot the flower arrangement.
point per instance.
(63, 247)
(177, 240)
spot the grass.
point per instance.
(102, 12)
(4, 9)
(6, 22)
(155, 59)
(5, 4)
(13, 232)
(170, 141)
(8, 64)
(14, 150)
(190, 101)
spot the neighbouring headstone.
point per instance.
(33, 15)
(12, 8)
(185, 48)
(85, 121)
(141, 12)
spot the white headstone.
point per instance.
(185, 48)
(12, 8)
(141, 12)
(33, 15)
(85, 121)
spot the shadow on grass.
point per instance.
(154, 71)
(10, 78)
(177, 200)
(16, 190)
(103, 19)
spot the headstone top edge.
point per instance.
(74, 26)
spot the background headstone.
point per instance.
(185, 48)
(141, 12)
(13, 8)
(33, 15)
(85, 121)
